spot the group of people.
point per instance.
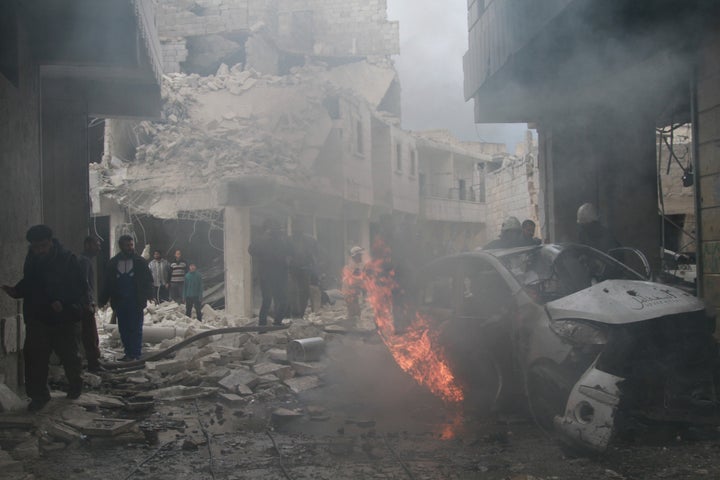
(177, 280)
(590, 232)
(287, 270)
(60, 302)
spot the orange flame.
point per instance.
(416, 350)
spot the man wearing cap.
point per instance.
(353, 282)
(591, 232)
(511, 236)
(53, 289)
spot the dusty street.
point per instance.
(368, 419)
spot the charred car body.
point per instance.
(587, 341)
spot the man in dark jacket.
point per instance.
(128, 287)
(52, 288)
(302, 268)
(270, 254)
(594, 234)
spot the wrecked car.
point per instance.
(582, 338)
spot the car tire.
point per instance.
(547, 393)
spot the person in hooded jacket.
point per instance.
(128, 287)
(53, 289)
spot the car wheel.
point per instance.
(547, 393)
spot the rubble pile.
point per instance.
(248, 374)
(232, 124)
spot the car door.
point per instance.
(436, 297)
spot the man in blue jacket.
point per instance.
(128, 287)
(53, 289)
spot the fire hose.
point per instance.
(184, 343)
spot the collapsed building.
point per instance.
(275, 110)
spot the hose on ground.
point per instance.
(184, 343)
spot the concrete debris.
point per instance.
(181, 392)
(301, 384)
(62, 432)
(237, 378)
(233, 124)
(308, 368)
(9, 400)
(283, 372)
(103, 427)
(9, 466)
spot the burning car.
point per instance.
(586, 340)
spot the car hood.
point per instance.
(623, 301)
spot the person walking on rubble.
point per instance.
(160, 269)
(178, 269)
(271, 253)
(89, 334)
(301, 269)
(193, 292)
(53, 288)
(591, 232)
(128, 287)
(353, 283)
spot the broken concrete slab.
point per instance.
(277, 355)
(301, 384)
(9, 400)
(282, 416)
(280, 371)
(96, 400)
(244, 390)
(181, 392)
(239, 377)
(272, 338)
(9, 466)
(102, 427)
(231, 398)
(171, 367)
(62, 432)
(308, 368)
(28, 450)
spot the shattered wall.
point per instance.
(511, 190)
(199, 35)
(337, 28)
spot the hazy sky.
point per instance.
(433, 40)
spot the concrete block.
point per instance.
(301, 384)
(308, 368)
(231, 398)
(277, 355)
(281, 371)
(239, 377)
(8, 466)
(63, 432)
(9, 400)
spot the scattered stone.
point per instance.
(102, 427)
(9, 400)
(231, 398)
(172, 366)
(8, 465)
(283, 372)
(239, 377)
(62, 432)
(95, 400)
(307, 368)
(92, 379)
(282, 416)
(28, 450)
(181, 392)
(189, 446)
(244, 390)
(277, 355)
(301, 384)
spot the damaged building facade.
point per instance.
(598, 79)
(287, 110)
(54, 80)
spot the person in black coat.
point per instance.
(53, 288)
(271, 253)
(128, 287)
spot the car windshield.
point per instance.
(555, 271)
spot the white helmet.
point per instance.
(511, 223)
(356, 250)
(587, 213)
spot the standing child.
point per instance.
(193, 292)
